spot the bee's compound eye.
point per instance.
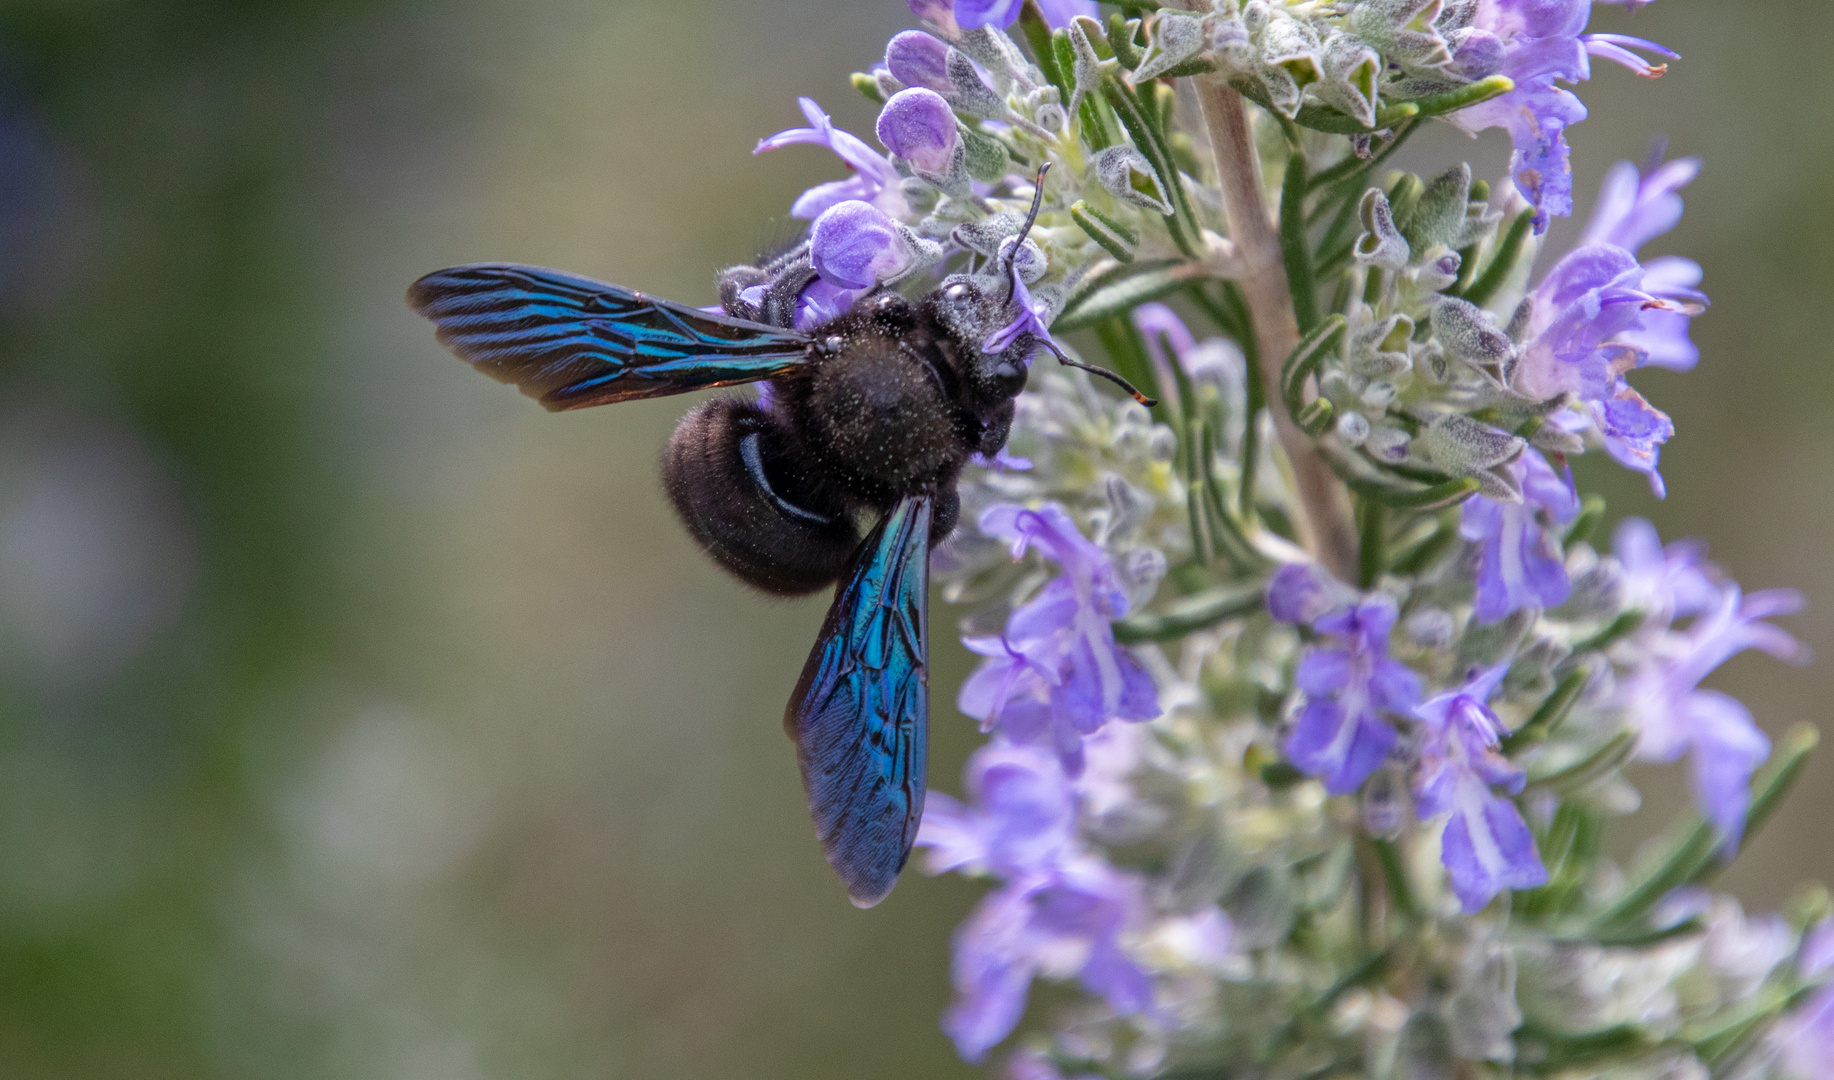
(956, 292)
(833, 343)
(1008, 378)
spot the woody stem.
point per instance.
(1324, 522)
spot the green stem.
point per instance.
(1293, 249)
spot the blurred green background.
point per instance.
(359, 719)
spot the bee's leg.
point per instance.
(786, 285)
(944, 514)
(735, 280)
(746, 498)
(778, 263)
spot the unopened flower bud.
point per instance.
(854, 245)
(1389, 444)
(1351, 73)
(1465, 447)
(918, 126)
(1126, 174)
(1028, 258)
(1177, 37)
(967, 91)
(1431, 628)
(1381, 243)
(1466, 332)
(1438, 216)
(916, 59)
(1475, 53)
(1438, 269)
(1353, 428)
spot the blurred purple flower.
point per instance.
(1024, 823)
(1061, 913)
(1063, 924)
(1301, 592)
(1486, 847)
(874, 180)
(1672, 715)
(1664, 583)
(1341, 734)
(1535, 43)
(1056, 674)
(1806, 1036)
(1519, 562)
(918, 126)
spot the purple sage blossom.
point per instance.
(1519, 562)
(1535, 43)
(1672, 715)
(1486, 847)
(1806, 1037)
(1341, 734)
(1056, 673)
(1599, 313)
(853, 245)
(1061, 912)
(972, 14)
(1664, 583)
(1031, 318)
(1025, 821)
(874, 180)
(918, 126)
(1064, 924)
(1299, 593)
(918, 59)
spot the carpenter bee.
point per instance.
(871, 414)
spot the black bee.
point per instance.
(871, 414)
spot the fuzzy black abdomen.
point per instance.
(749, 500)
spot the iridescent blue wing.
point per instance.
(860, 715)
(570, 342)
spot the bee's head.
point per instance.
(997, 322)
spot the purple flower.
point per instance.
(972, 14)
(1031, 318)
(1486, 847)
(853, 245)
(1056, 673)
(1600, 313)
(1065, 924)
(1298, 593)
(1025, 822)
(1341, 735)
(1519, 562)
(1534, 43)
(1664, 583)
(918, 59)
(1672, 715)
(938, 13)
(918, 126)
(1807, 1035)
(1061, 912)
(874, 179)
(820, 301)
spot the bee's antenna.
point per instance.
(1031, 218)
(1093, 370)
